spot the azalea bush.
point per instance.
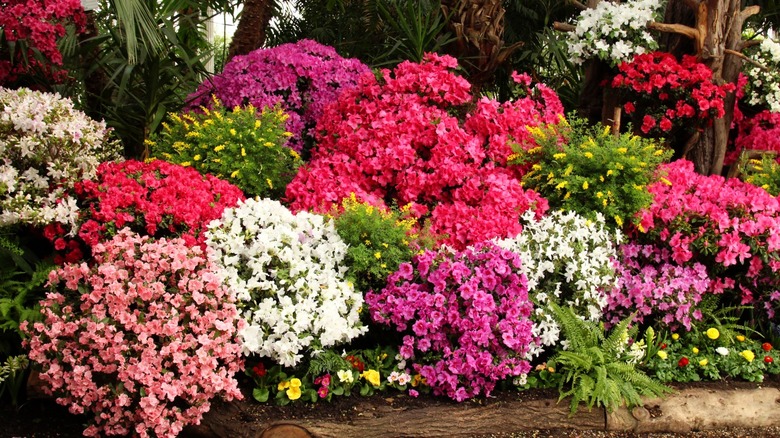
(655, 288)
(567, 260)
(764, 173)
(760, 132)
(377, 239)
(158, 199)
(725, 224)
(29, 43)
(244, 146)
(48, 145)
(614, 32)
(667, 93)
(397, 140)
(589, 170)
(713, 354)
(465, 316)
(303, 77)
(288, 273)
(142, 340)
(763, 80)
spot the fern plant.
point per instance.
(12, 376)
(600, 369)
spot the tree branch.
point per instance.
(746, 59)
(749, 11)
(578, 5)
(674, 28)
(564, 27)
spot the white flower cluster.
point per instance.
(287, 274)
(763, 87)
(46, 146)
(614, 32)
(569, 260)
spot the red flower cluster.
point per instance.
(668, 92)
(399, 140)
(683, 362)
(158, 199)
(37, 24)
(356, 363)
(760, 132)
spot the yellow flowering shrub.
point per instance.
(590, 170)
(244, 146)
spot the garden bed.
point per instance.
(724, 408)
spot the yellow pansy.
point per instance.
(283, 385)
(294, 393)
(372, 377)
(295, 382)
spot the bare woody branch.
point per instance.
(681, 29)
(746, 59)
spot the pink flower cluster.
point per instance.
(465, 316)
(38, 23)
(400, 140)
(668, 92)
(730, 226)
(302, 77)
(760, 132)
(143, 339)
(650, 283)
(158, 198)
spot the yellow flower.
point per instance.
(713, 333)
(196, 157)
(609, 172)
(568, 170)
(641, 228)
(243, 152)
(567, 195)
(257, 124)
(219, 148)
(601, 177)
(283, 385)
(619, 221)
(234, 174)
(703, 362)
(561, 185)
(665, 181)
(294, 393)
(295, 154)
(372, 377)
(270, 184)
(295, 382)
(675, 336)
(186, 164)
(232, 131)
(535, 166)
(585, 185)
(588, 154)
(378, 255)
(748, 355)
(658, 152)
(695, 350)
(511, 157)
(622, 150)
(559, 156)
(740, 338)
(662, 354)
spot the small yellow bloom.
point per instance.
(550, 369)
(372, 377)
(283, 385)
(243, 152)
(567, 195)
(257, 124)
(378, 255)
(537, 167)
(740, 338)
(675, 336)
(610, 172)
(219, 148)
(294, 393)
(585, 185)
(619, 221)
(295, 154)
(559, 156)
(641, 228)
(186, 164)
(703, 362)
(695, 350)
(196, 157)
(561, 185)
(713, 333)
(295, 382)
(658, 152)
(748, 355)
(588, 154)
(662, 354)
(622, 150)
(270, 184)
(665, 181)
(232, 131)
(234, 174)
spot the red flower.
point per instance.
(768, 359)
(683, 362)
(356, 363)
(663, 346)
(259, 370)
(629, 107)
(766, 346)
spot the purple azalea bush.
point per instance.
(302, 77)
(465, 315)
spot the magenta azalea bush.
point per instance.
(158, 199)
(302, 77)
(399, 140)
(465, 316)
(730, 226)
(657, 288)
(143, 339)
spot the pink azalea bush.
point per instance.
(33, 28)
(303, 77)
(465, 316)
(730, 226)
(657, 288)
(399, 140)
(158, 198)
(143, 339)
(760, 132)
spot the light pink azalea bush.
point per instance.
(142, 339)
(465, 316)
(657, 288)
(410, 138)
(730, 226)
(303, 77)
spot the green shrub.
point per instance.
(242, 146)
(589, 170)
(764, 173)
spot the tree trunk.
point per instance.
(250, 33)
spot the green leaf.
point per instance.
(261, 394)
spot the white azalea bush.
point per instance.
(287, 273)
(568, 260)
(46, 146)
(763, 85)
(614, 32)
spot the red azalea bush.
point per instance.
(465, 317)
(158, 199)
(303, 77)
(399, 140)
(33, 27)
(730, 226)
(143, 339)
(668, 93)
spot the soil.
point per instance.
(40, 417)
